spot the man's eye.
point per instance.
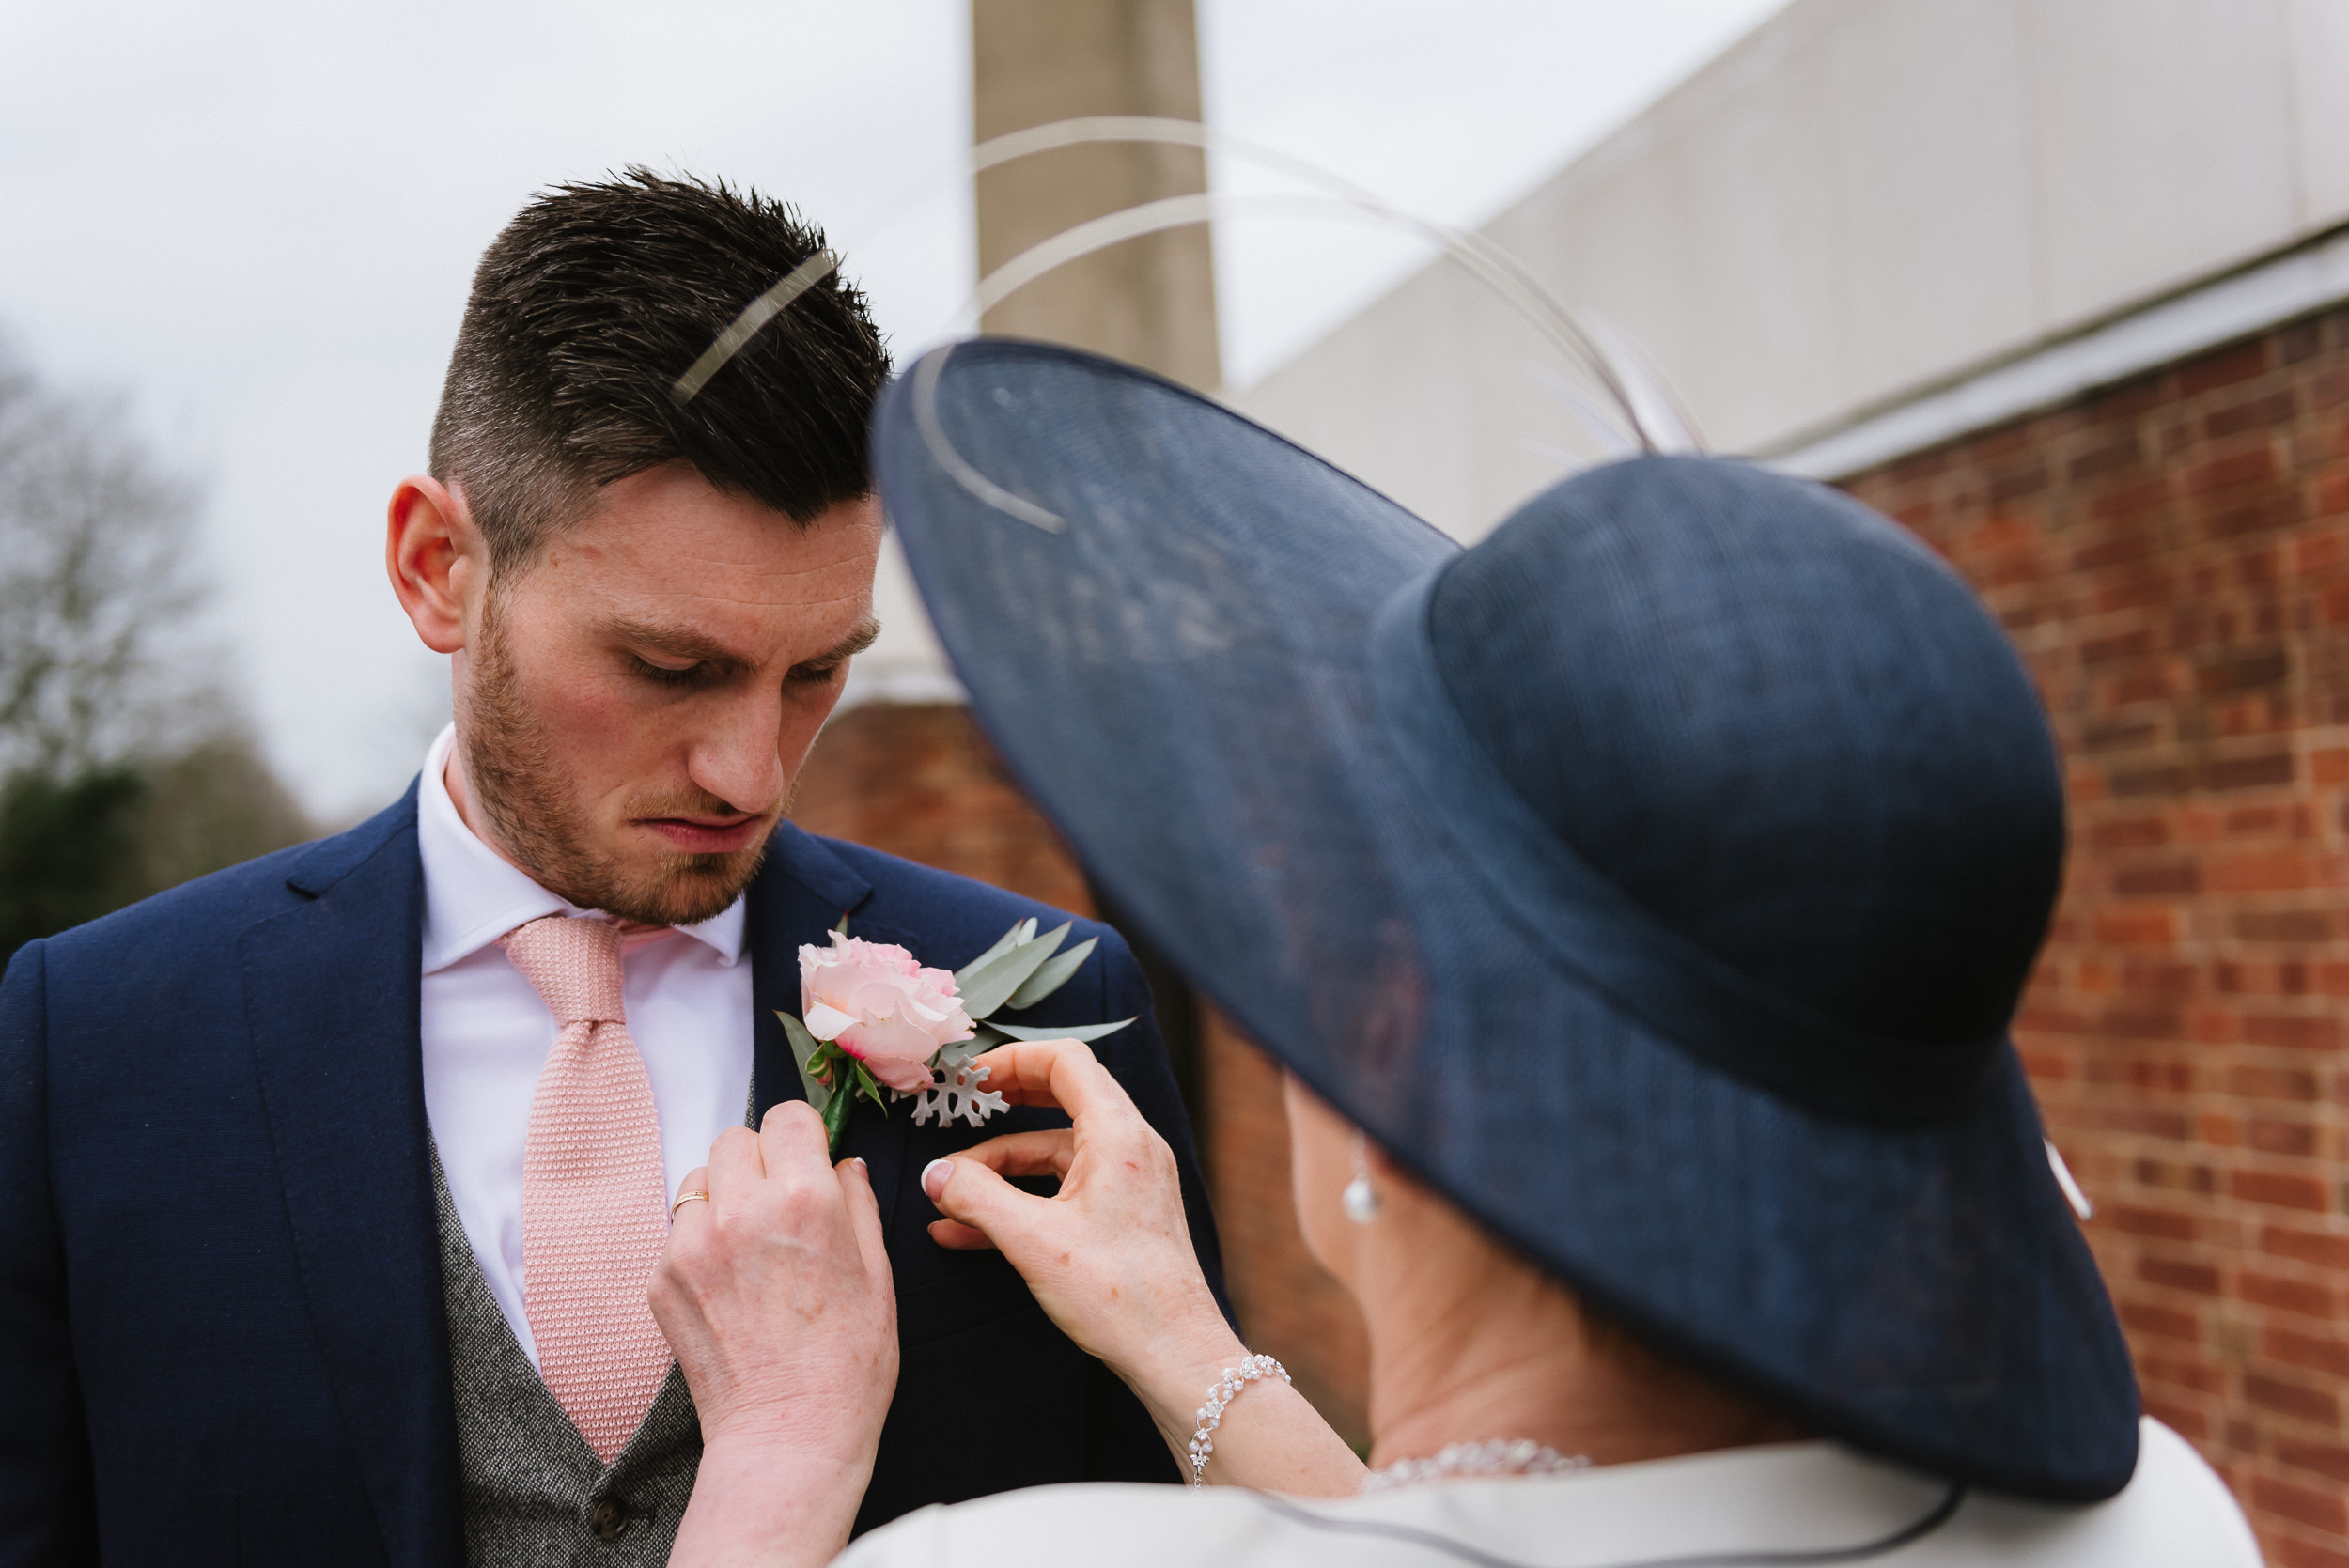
(661, 676)
(817, 675)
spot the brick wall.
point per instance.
(2172, 557)
(919, 781)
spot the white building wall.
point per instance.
(1860, 202)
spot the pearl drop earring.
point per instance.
(1360, 1199)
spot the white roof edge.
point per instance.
(899, 685)
(2306, 278)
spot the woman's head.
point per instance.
(1653, 880)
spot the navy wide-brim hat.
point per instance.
(1656, 880)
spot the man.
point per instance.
(330, 1185)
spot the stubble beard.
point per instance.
(539, 823)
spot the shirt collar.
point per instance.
(473, 895)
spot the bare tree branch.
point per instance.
(97, 588)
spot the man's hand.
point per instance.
(775, 1294)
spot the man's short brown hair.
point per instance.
(585, 312)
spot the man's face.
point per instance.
(635, 704)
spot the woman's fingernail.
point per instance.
(934, 1176)
(857, 1160)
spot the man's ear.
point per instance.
(438, 560)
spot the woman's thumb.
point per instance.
(971, 1194)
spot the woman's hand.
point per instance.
(775, 1294)
(1109, 1259)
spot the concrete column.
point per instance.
(1149, 301)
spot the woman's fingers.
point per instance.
(736, 1166)
(1046, 1152)
(958, 1237)
(856, 1190)
(972, 1197)
(1060, 1073)
(792, 1140)
(697, 1180)
(1049, 1152)
(780, 1305)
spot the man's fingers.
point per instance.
(1044, 1153)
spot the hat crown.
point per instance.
(1780, 724)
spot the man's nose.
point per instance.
(738, 759)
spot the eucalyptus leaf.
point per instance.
(804, 1049)
(991, 984)
(983, 1039)
(1065, 1031)
(1021, 933)
(1052, 975)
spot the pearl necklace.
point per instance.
(1501, 1456)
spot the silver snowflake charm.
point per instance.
(957, 1091)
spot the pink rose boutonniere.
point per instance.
(873, 1017)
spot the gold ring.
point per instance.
(685, 1198)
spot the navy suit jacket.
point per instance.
(222, 1332)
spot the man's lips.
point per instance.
(703, 835)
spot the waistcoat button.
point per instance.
(608, 1518)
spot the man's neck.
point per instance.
(476, 821)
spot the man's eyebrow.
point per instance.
(860, 636)
(682, 642)
(675, 641)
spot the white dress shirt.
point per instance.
(1791, 1497)
(487, 1033)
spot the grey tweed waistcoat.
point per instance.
(535, 1494)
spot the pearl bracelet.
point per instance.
(1251, 1368)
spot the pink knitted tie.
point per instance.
(593, 1194)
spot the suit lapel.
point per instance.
(799, 896)
(332, 1002)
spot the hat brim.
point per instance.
(1161, 613)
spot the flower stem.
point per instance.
(836, 1112)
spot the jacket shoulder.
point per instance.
(240, 895)
(198, 913)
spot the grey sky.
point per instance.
(258, 220)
